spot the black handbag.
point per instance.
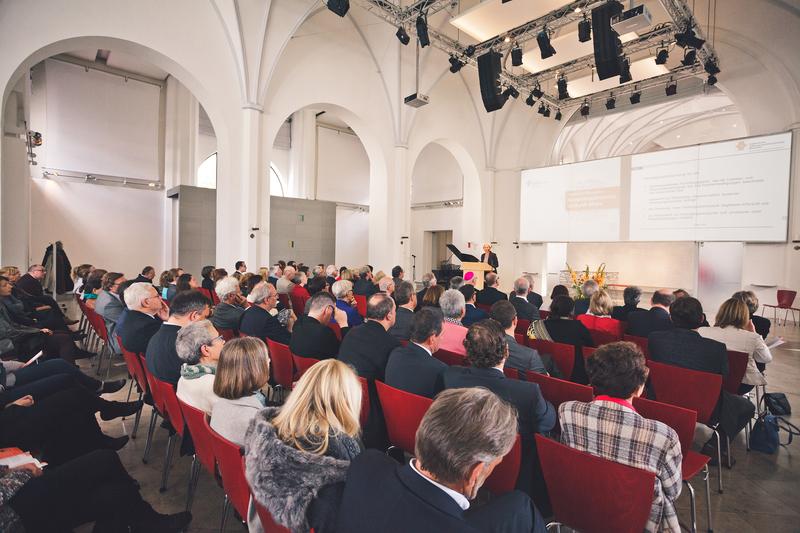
(777, 403)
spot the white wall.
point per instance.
(342, 167)
(352, 237)
(436, 176)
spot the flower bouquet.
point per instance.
(578, 278)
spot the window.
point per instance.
(207, 172)
(275, 182)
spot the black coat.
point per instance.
(567, 331)
(490, 295)
(534, 298)
(621, 312)
(414, 370)
(401, 329)
(492, 260)
(366, 348)
(312, 339)
(581, 306)
(472, 314)
(525, 310)
(687, 349)
(137, 330)
(257, 322)
(63, 267)
(364, 287)
(162, 357)
(643, 323)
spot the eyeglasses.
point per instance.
(217, 338)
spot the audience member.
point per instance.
(110, 306)
(275, 273)
(559, 290)
(240, 267)
(453, 308)
(147, 275)
(186, 282)
(590, 287)
(428, 280)
(533, 297)
(205, 274)
(471, 313)
(367, 347)
(386, 286)
(311, 336)
(308, 444)
(397, 275)
(198, 346)
(299, 294)
(525, 309)
(365, 285)
(285, 285)
(520, 357)
(31, 314)
(761, 323)
(680, 293)
(242, 371)
(432, 295)
(228, 312)
(258, 321)
(599, 316)
(609, 427)
(146, 312)
(346, 301)
(79, 275)
(413, 368)
(330, 275)
(166, 282)
(456, 282)
(161, 356)
(218, 274)
(490, 293)
(559, 326)
(378, 276)
(247, 283)
(29, 288)
(631, 296)
(317, 284)
(643, 323)
(406, 300)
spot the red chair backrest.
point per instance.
(487, 308)
(365, 405)
(563, 354)
(268, 523)
(197, 422)
(298, 303)
(451, 358)
(98, 324)
(522, 326)
(592, 494)
(786, 298)
(520, 338)
(284, 299)
(302, 364)
(587, 352)
(134, 366)
(361, 304)
(231, 468)
(680, 419)
(737, 367)
(558, 391)
(337, 330)
(227, 334)
(169, 400)
(690, 389)
(281, 367)
(603, 337)
(504, 477)
(403, 413)
(158, 398)
(543, 314)
(641, 342)
(511, 373)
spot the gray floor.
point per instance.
(761, 491)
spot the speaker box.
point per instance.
(607, 46)
(489, 68)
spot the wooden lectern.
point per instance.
(470, 263)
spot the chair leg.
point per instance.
(728, 444)
(194, 476)
(692, 507)
(747, 436)
(167, 458)
(719, 459)
(138, 417)
(130, 390)
(708, 499)
(149, 443)
(226, 507)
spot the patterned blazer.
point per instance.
(615, 432)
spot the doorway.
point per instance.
(436, 249)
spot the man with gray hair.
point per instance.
(525, 310)
(146, 312)
(590, 287)
(461, 439)
(386, 285)
(490, 293)
(228, 312)
(284, 284)
(198, 345)
(406, 301)
(456, 282)
(632, 296)
(365, 284)
(258, 320)
(453, 307)
(428, 281)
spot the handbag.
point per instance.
(777, 403)
(765, 436)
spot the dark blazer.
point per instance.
(402, 324)
(364, 287)
(367, 348)
(161, 355)
(490, 295)
(525, 310)
(472, 314)
(227, 316)
(535, 299)
(581, 306)
(30, 285)
(414, 370)
(331, 280)
(208, 284)
(272, 280)
(312, 339)
(762, 325)
(137, 330)
(687, 349)
(492, 260)
(523, 358)
(643, 323)
(142, 279)
(257, 322)
(568, 331)
(621, 312)
(420, 296)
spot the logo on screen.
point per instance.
(741, 145)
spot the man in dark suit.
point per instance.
(525, 310)
(413, 368)
(257, 321)
(28, 288)
(228, 312)
(632, 296)
(471, 313)
(534, 298)
(146, 312)
(520, 357)
(428, 280)
(161, 355)
(147, 275)
(431, 493)
(311, 336)
(490, 294)
(643, 323)
(397, 275)
(406, 302)
(582, 304)
(488, 256)
(684, 347)
(364, 285)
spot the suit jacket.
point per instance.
(258, 322)
(522, 357)
(581, 306)
(364, 287)
(534, 298)
(143, 279)
(621, 312)
(30, 285)
(473, 314)
(402, 324)
(366, 348)
(312, 339)
(137, 330)
(420, 296)
(227, 316)
(643, 323)
(353, 318)
(110, 308)
(492, 260)
(525, 310)
(568, 331)
(208, 284)
(412, 369)
(490, 295)
(687, 349)
(161, 355)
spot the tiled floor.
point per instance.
(761, 491)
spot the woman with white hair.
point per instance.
(228, 312)
(198, 346)
(346, 301)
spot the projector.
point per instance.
(416, 100)
(634, 19)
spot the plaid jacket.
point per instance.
(614, 432)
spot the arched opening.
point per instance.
(276, 187)
(207, 172)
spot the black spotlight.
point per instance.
(625, 70)
(545, 47)
(712, 80)
(585, 108)
(516, 55)
(340, 7)
(672, 88)
(611, 103)
(584, 30)
(470, 50)
(511, 91)
(563, 93)
(689, 57)
(537, 91)
(688, 38)
(711, 67)
(455, 64)
(636, 97)
(541, 109)
(546, 113)
(558, 114)
(662, 56)
(422, 31)
(402, 36)
(530, 100)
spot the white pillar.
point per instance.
(400, 210)
(303, 157)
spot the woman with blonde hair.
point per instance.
(599, 316)
(432, 296)
(735, 330)
(307, 444)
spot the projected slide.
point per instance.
(728, 191)
(577, 202)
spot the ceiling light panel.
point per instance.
(492, 17)
(640, 70)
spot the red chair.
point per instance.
(209, 294)
(592, 494)
(138, 376)
(268, 523)
(487, 308)
(197, 422)
(504, 477)
(403, 413)
(785, 301)
(166, 402)
(683, 422)
(603, 337)
(451, 358)
(562, 354)
(557, 391)
(522, 326)
(690, 389)
(302, 364)
(737, 367)
(337, 330)
(282, 365)
(361, 304)
(641, 342)
(587, 352)
(511, 373)
(544, 314)
(365, 405)
(298, 302)
(520, 338)
(231, 468)
(228, 334)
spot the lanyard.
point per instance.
(620, 401)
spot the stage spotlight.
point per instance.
(584, 30)
(662, 56)
(402, 36)
(511, 91)
(688, 38)
(585, 108)
(530, 100)
(636, 97)
(558, 114)
(611, 103)
(537, 91)
(541, 108)
(689, 57)
(625, 70)
(563, 93)
(671, 89)
(455, 64)
(340, 7)
(711, 67)
(470, 50)
(422, 31)
(545, 47)
(712, 80)
(516, 55)
(546, 113)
